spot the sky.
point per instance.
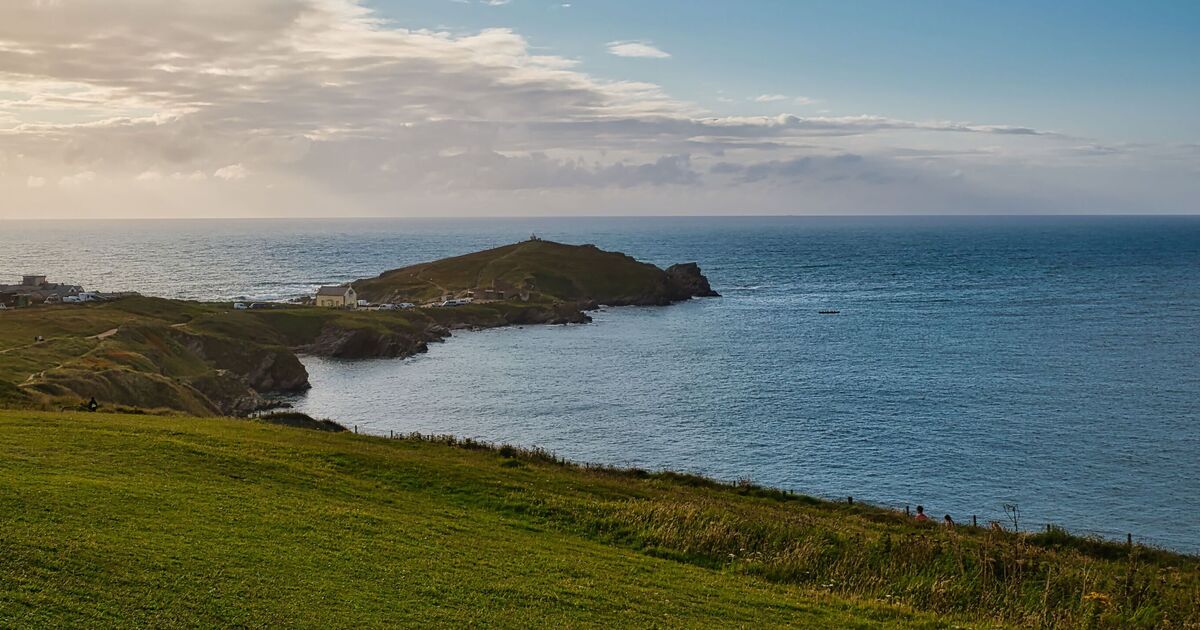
(332, 108)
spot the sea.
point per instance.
(986, 367)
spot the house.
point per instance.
(337, 297)
(34, 289)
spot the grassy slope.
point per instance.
(554, 270)
(150, 521)
(70, 338)
(146, 365)
(168, 521)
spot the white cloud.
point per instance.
(778, 98)
(230, 173)
(643, 50)
(330, 105)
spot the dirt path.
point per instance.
(104, 335)
(30, 345)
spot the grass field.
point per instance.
(111, 520)
(149, 521)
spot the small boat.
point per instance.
(828, 312)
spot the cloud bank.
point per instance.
(320, 107)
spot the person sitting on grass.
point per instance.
(921, 514)
(948, 522)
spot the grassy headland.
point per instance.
(541, 271)
(210, 359)
(118, 520)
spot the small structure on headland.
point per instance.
(35, 289)
(342, 296)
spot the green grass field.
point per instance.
(120, 520)
(165, 522)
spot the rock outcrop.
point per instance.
(686, 281)
(361, 343)
(266, 368)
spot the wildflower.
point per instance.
(1101, 598)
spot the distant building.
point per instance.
(34, 289)
(337, 297)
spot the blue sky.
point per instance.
(1126, 71)
(200, 108)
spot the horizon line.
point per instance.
(613, 216)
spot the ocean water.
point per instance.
(1046, 362)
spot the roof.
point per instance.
(338, 291)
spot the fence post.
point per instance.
(850, 500)
(974, 523)
(906, 511)
(1129, 539)
(356, 429)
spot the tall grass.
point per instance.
(1050, 579)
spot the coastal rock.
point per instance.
(686, 281)
(362, 343)
(264, 368)
(229, 393)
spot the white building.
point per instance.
(337, 297)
